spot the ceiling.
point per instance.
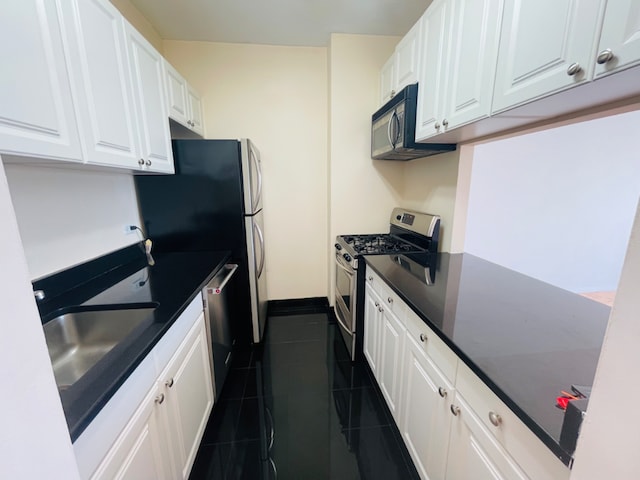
(278, 22)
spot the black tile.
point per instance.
(242, 357)
(305, 412)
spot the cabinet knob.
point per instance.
(605, 56)
(454, 409)
(159, 399)
(423, 337)
(377, 304)
(392, 94)
(495, 419)
(390, 300)
(370, 278)
(141, 162)
(442, 392)
(380, 309)
(573, 69)
(436, 126)
(148, 163)
(445, 122)
(169, 383)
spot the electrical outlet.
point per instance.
(129, 229)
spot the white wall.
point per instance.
(67, 216)
(277, 96)
(558, 204)
(608, 442)
(34, 439)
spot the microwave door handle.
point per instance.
(398, 132)
(389, 131)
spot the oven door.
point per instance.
(345, 301)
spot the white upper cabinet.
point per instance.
(185, 106)
(101, 74)
(153, 124)
(431, 83)
(36, 107)
(388, 80)
(195, 110)
(407, 57)
(619, 46)
(545, 46)
(472, 58)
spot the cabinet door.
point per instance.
(388, 80)
(37, 116)
(153, 126)
(436, 35)
(390, 359)
(473, 451)
(371, 328)
(407, 57)
(177, 100)
(471, 71)
(426, 422)
(621, 36)
(189, 397)
(540, 44)
(138, 453)
(195, 111)
(96, 33)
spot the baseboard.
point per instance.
(297, 306)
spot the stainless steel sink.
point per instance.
(78, 340)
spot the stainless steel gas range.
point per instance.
(410, 232)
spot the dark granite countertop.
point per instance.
(526, 339)
(172, 282)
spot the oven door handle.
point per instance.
(345, 328)
(349, 271)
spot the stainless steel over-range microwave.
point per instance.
(393, 130)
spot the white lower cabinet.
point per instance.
(160, 440)
(452, 424)
(188, 393)
(426, 421)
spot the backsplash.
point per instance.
(67, 216)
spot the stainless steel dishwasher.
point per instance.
(218, 327)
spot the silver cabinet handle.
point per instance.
(370, 278)
(390, 300)
(141, 162)
(159, 399)
(380, 309)
(423, 337)
(455, 410)
(148, 163)
(377, 304)
(392, 94)
(436, 126)
(169, 383)
(442, 392)
(605, 56)
(445, 122)
(495, 419)
(573, 69)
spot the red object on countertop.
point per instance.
(562, 402)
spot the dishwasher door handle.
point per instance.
(217, 290)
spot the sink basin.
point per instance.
(77, 340)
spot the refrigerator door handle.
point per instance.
(261, 238)
(256, 198)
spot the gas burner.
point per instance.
(379, 244)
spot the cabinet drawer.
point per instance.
(526, 449)
(441, 355)
(390, 299)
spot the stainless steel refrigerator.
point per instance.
(214, 202)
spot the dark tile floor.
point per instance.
(297, 408)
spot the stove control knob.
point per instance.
(398, 217)
(338, 246)
(347, 257)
